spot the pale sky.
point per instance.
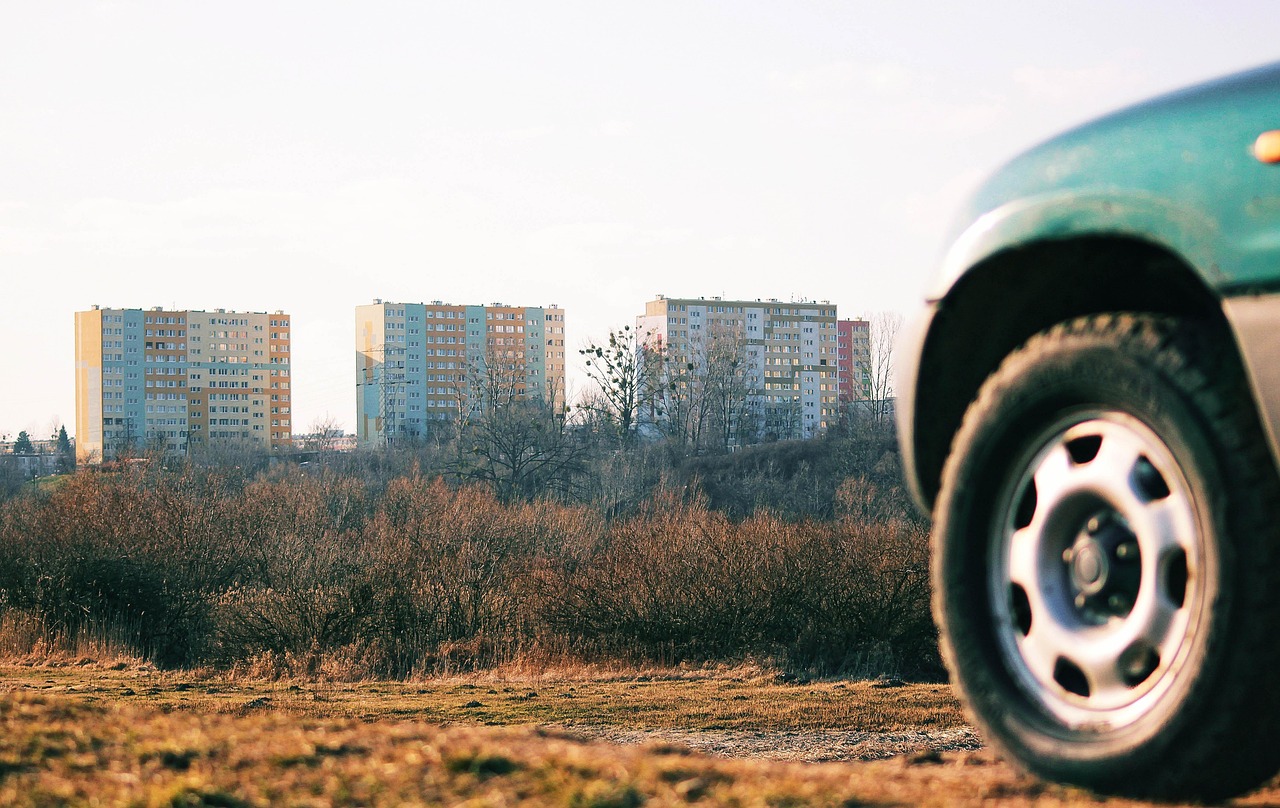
(311, 156)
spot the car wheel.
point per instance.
(1105, 561)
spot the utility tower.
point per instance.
(387, 378)
(393, 384)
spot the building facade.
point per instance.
(853, 357)
(420, 364)
(747, 370)
(181, 381)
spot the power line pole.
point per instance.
(388, 379)
(393, 382)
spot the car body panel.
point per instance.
(1176, 172)
(1068, 214)
(910, 347)
(1255, 318)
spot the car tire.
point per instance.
(1105, 562)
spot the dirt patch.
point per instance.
(822, 746)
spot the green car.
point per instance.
(1089, 406)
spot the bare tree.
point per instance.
(885, 326)
(465, 392)
(239, 453)
(501, 376)
(782, 418)
(325, 432)
(489, 379)
(54, 426)
(492, 379)
(506, 435)
(556, 394)
(706, 389)
(522, 449)
(730, 385)
(681, 397)
(626, 380)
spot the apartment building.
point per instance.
(419, 364)
(787, 381)
(853, 358)
(180, 381)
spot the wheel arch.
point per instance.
(970, 334)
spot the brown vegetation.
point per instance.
(87, 735)
(373, 571)
(718, 698)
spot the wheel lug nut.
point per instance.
(1126, 551)
(1138, 663)
(1068, 554)
(1081, 601)
(1093, 525)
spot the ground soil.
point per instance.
(130, 735)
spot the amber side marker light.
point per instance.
(1267, 147)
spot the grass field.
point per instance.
(84, 734)
(696, 700)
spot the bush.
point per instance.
(333, 574)
(681, 582)
(139, 549)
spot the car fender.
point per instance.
(1071, 214)
(1250, 312)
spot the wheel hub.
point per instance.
(1103, 568)
(1089, 567)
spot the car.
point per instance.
(1089, 407)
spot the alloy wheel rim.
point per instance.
(1096, 577)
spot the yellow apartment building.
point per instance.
(180, 381)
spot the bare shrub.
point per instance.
(460, 569)
(680, 581)
(142, 549)
(339, 575)
(298, 588)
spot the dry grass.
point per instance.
(56, 750)
(83, 734)
(25, 639)
(718, 699)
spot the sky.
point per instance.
(313, 156)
